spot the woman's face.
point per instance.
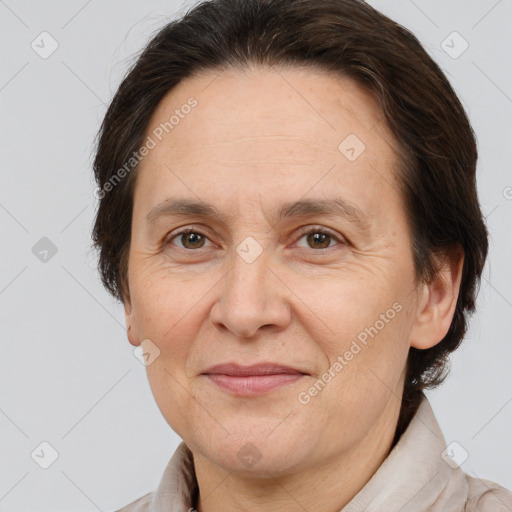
(331, 295)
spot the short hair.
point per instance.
(437, 147)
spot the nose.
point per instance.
(252, 297)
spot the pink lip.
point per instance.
(252, 380)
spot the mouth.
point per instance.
(253, 380)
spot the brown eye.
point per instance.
(195, 240)
(189, 240)
(318, 240)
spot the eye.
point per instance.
(316, 237)
(190, 238)
(320, 238)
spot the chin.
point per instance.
(255, 450)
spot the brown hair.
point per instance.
(348, 37)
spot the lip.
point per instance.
(253, 380)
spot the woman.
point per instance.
(288, 213)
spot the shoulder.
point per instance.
(484, 495)
(140, 505)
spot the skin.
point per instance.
(256, 139)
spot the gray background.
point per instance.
(68, 374)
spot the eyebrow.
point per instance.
(302, 208)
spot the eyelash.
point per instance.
(306, 231)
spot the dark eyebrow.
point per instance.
(302, 208)
(188, 207)
(332, 206)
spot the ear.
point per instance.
(437, 301)
(131, 326)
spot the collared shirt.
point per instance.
(418, 475)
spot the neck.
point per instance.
(326, 486)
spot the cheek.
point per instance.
(169, 390)
(169, 313)
(365, 370)
(345, 308)
(164, 298)
(363, 331)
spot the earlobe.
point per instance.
(134, 340)
(438, 301)
(130, 330)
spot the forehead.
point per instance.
(272, 133)
(257, 96)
